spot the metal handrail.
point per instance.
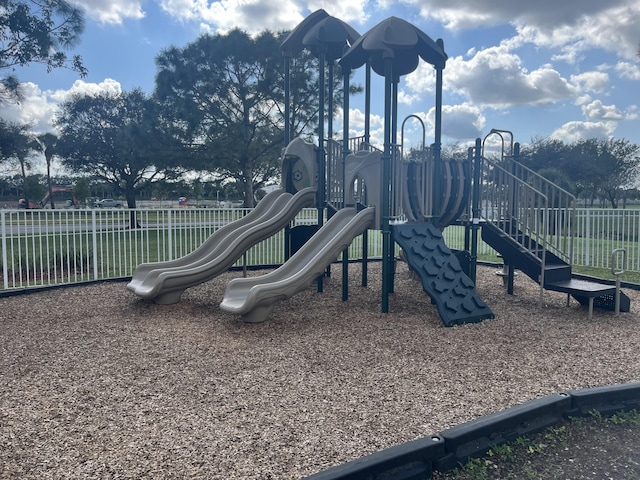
(561, 200)
(510, 202)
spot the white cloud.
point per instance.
(592, 81)
(462, 13)
(39, 106)
(357, 119)
(407, 98)
(252, 16)
(574, 131)
(597, 111)
(628, 70)
(182, 9)
(113, 11)
(422, 80)
(35, 109)
(615, 30)
(461, 122)
(352, 11)
(356, 126)
(496, 77)
(80, 87)
(584, 99)
(571, 25)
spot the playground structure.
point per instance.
(409, 198)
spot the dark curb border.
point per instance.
(419, 458)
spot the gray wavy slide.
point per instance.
(164, 282)
(254, 297)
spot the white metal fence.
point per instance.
(51, 247)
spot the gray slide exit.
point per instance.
(254, 297)
(164, 282)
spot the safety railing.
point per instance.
(335, 173)
(536, 213)
(560, 213)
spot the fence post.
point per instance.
(170, 235)
(94, 226)
(587, 236)
(5, 258)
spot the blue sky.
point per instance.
(566, 69)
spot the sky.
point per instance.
(565, 69)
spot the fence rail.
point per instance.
(41, 248)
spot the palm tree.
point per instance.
(16, 144)
(46, 143)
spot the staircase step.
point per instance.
(600, 295)
(526, 260)
(584, 288)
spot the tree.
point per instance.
(119, 139)
(16, 145)
(46, 143)
(544, 153)
(226, 94)
(35, 187)
(607, 166)
(224, 90)
(590, 168)
(37, 31)
(82, 190)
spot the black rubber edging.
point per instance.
(454, 447)
(408, 461)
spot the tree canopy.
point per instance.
(14, 140)
(223, 90)
(591, 168)
(37, 31)
(226, 94)
(120, 139)
(16, 146)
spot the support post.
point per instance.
(475, 207)
(320, 156)
(330, 165)
(367, 139)
(437, 145)
(367, 103)
(386, 185)
(392, 176)
(345, 152)
(287, 140)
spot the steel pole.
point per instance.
(386, 185)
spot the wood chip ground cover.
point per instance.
(96, 383)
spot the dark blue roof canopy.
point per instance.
(320, 33)
(398, 40)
